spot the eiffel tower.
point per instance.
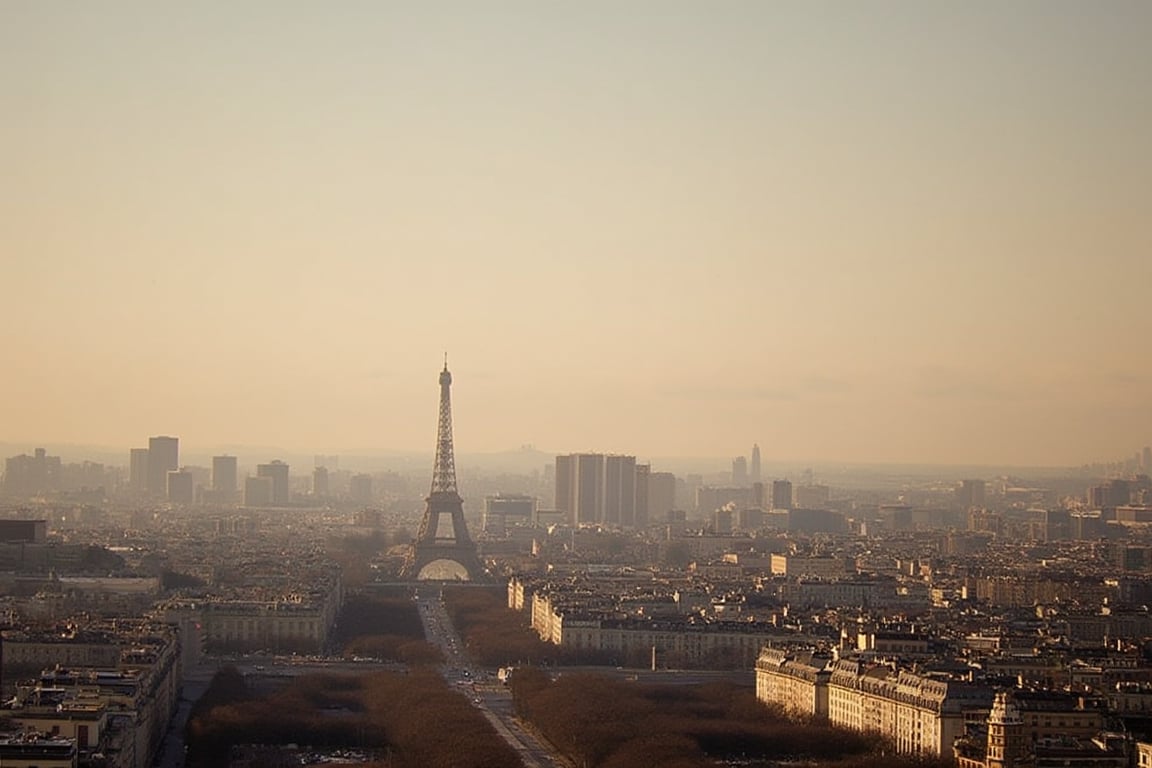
(444, 500)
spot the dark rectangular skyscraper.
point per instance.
(163, 457)
(661, 496)
(138, 470)
(643, 475)
(620, 490)
(360, 489)
(278, 472)
(320, 482)
(181, 487)
(224, 474)
(781, 494)
(739, 471)
(563, 499)
(587, 488)
(594, 488)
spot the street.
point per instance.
(481, 685)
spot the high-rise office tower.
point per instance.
(1097, 497)
(1119, 492)
(587, 505)
(320, 482)
(278, 472)
(643, 476)
(360, 489)
(781, 494)
(661, 496)
(620, 490)
(754, 474)
(224, 475)
(594, 488)
(563, 497)
(1147, 461)
(163, 457)
(258, 491)
(722, 521)
(739, 471)
(757, 498)
(138, 470)
(181, 487)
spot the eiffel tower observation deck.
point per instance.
(451, 556)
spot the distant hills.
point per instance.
(528, 459)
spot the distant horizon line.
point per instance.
(273, 452)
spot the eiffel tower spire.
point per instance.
(444, 472)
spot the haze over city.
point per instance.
(876, 232)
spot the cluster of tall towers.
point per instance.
(611, 489)
(148, 468)
(156, 472)
(744, 473)
(598, 488)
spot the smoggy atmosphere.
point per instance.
(862, 232)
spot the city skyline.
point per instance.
(877, 233)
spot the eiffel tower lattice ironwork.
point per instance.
(444, 500)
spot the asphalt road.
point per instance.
(195, 683)
(480, 685)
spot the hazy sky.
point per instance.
(871, 231)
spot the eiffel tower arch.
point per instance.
(430, 550)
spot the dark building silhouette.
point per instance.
(26, 475)
(23, 531)
(360, 489)
(138, 470)
(277, 472)
(781, 494)
(320, 486)
(739, 471)
(163, 457)
(181, 487)
(224, 474)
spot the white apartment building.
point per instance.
(917, 714)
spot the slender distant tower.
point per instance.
(444, 500)
(755, 469)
